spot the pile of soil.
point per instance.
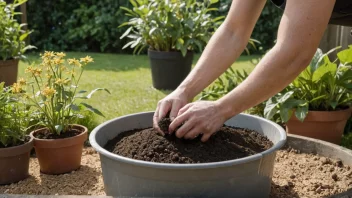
(307, 175)
(295, 175)
(226, 144)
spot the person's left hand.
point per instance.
(202, 117)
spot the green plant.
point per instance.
(54, 91)
(14, 117)
(322, 86)
(12, 37)
(173, 25)
(225, 84)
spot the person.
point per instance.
(301, 28)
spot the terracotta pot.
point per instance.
(15, 163)
(322, 125)
(58, 156)
(8, 71)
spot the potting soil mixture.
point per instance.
(295, 175)
(49, 135)
(226, 144)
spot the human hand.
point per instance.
(202, 117)
(171, 103)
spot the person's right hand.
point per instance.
(171, 103)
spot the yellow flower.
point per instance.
(74, 62)
(60, 54)
(22, 81)
(29, 69)
(72, 73)
(67, 81)
(49, 76)
(59, 81)
(48, 92)
(63, 68)
(58, 61)
(37, 71)
(16, 88)
(48, 54)
(87, 59)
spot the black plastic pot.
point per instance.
(169, 69)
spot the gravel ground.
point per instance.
(295, 175)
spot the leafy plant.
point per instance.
(225, 84)
(54, 94)
(322, 86)
(12, 37)
(14, 117)
(173, 25)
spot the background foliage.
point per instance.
(91, 25)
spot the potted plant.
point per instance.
(12, 41)
(58, 143)
(320, 98)
(172, 30)
(15, 144)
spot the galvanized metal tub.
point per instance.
(245, 177)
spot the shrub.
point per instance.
(12, 37)
(170, 25)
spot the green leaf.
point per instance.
(92, 92)
(92, 109)
(324, 70)
(24, 36)
(301, 112)
(285, 113)
(333, 104)
(58, 128)
(133, 3)
(213, 1)
(286, 96)
(345, 56)
(270, 108)
(74, 107)
(126, 32)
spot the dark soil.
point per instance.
(227, 144)
(48, 135)
(18, 143)
(164, 124)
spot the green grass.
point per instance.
(129, 80)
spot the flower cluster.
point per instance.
(52, 88)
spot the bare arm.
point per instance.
(225, 46)
(300, 32)
(301, 29)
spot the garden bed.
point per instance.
(295, 175)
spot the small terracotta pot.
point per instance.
(322, 125)
(15, 163)
(58, 156)
(8, 71)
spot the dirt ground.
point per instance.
(295, 175)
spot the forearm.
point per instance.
(222, 50)
(224, 47)
(275, 71)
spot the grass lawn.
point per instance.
(129, 80)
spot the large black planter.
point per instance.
(169, 69)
